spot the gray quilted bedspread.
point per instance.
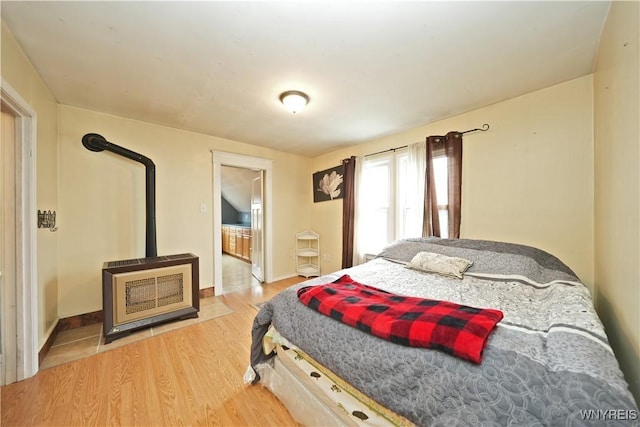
(548, 363)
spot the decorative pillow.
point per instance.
(440, 264)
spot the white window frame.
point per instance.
(396, 213)
(377, 161)
(395, 225)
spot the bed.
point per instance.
(546, 362)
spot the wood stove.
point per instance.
(141, 292)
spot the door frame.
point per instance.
(222, 158)
(257, 231)
(25, 323)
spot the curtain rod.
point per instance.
(484, 128)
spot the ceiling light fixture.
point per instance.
(294, 100)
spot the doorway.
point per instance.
(221, 159)
(240, 229)
(18, 308)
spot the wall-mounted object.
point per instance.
(47, 219)
(327, 184)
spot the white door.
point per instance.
(257, 229)
(8, 326)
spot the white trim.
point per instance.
(221, 158)
(26, 295)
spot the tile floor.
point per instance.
(74, 344)
(236, 274)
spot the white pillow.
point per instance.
(440, 264)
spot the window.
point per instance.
(442, 192)
(377, 199)
(392, 208)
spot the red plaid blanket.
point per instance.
(459, 330)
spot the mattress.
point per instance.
(313, 394)
(548, 362)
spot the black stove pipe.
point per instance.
(97, 143)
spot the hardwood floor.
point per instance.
(191, 376)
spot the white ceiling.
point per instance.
(370, 68)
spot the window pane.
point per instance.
(442, 187)
(374, 237)
(411, 223)
(376, 192)
(409, 213)
(443, 215)
(376, 184)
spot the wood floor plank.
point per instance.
(190, 376)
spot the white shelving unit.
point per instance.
(308, 254)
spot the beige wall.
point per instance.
(528, 180)
(617, 186)
(102, 200)
(18, 72)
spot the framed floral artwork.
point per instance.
(327, 184)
